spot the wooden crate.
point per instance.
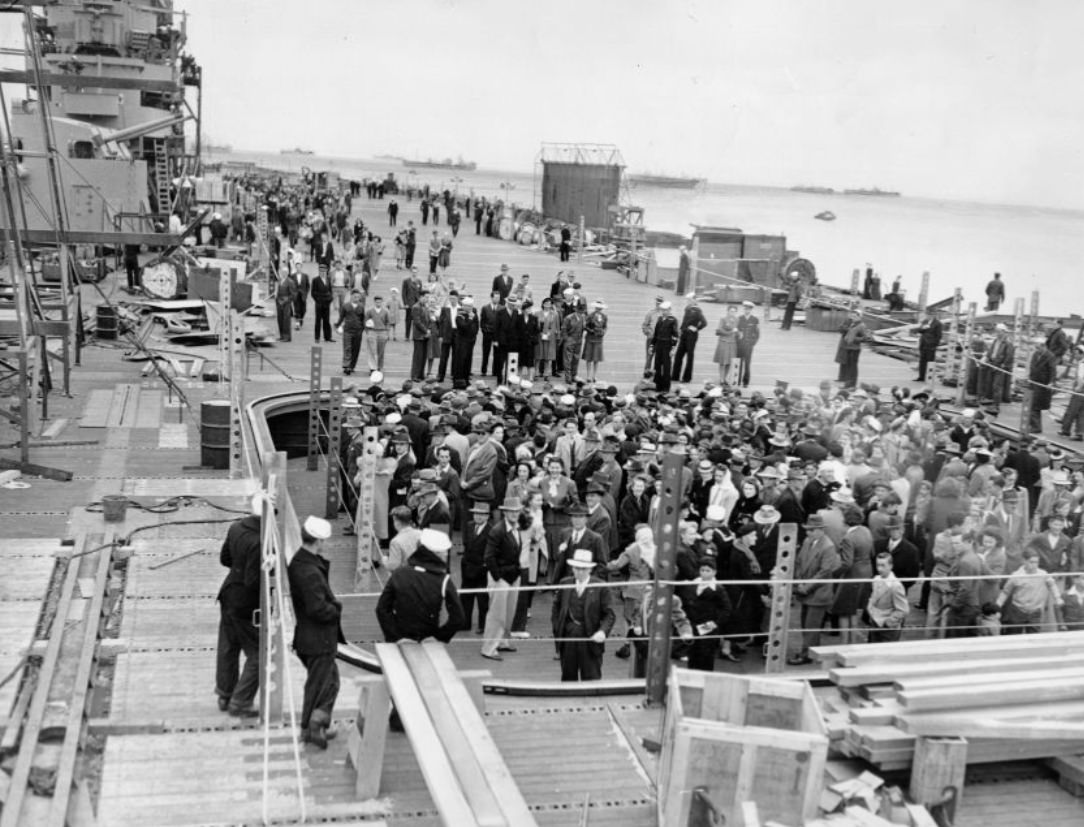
(737, 739)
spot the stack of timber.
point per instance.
(1012, 698)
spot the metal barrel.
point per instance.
(215, 433)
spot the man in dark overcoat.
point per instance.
(582, 618)
(317, 634)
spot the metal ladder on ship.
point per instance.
(161, 176)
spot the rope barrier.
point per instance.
(617, 584)
(1053, 388)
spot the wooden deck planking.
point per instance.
(231, 493)
(173, 435)
(149, 414)
(146, 774)
(96, 410)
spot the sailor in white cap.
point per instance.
(995, 374)
(692, 322)
(663, 340)
(795, 290)
(317, 634)
(410, 605)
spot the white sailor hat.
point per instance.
(317, 527)
(436, 541)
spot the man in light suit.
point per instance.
(817, 560)
(502, 556)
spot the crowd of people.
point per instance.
(499, 490)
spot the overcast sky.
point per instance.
(955, 98)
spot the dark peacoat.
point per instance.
(316, 608)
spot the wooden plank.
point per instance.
(96, 410)
(65, 772)
(991, 679)
(1000, 646)
(453, 724)
(850, 676)
(124, 401)
(969, 726)
(149, 414)
(478, 736)
(964, 697)
(368, 737)
(20, 773)
(440, 776)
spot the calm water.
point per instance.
(961, 244)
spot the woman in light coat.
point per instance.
(726, 348)
(549, 330)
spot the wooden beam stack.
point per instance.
(1012, 698)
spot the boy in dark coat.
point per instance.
(317, 634)
(708, 610)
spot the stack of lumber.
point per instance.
(1012, 697)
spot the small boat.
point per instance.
(826, 215)
(814, 190)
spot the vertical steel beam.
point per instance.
(666, 540)
(316, 358)
(779, 619)
(364, 515)
(334, 440)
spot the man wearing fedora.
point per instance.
(575, 538)
(817, 561)
(472, 568)
(906, 559)
(317, 633)
(504, 546)
(582, 618)
(502, 283)
(432, 510)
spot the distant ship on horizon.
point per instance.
(446, 163)
(873, 191)
(296, 151)
(814, 190)
(678, 182)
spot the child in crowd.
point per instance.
(989, 621)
